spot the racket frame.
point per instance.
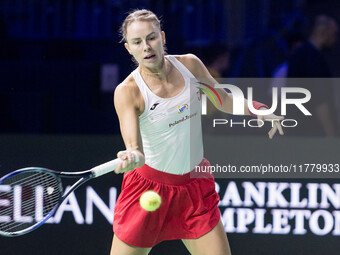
(84, 177)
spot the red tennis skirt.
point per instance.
(188, 209)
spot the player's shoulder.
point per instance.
(127, 94)
(127, 88)
(128, 84)
(190, 61)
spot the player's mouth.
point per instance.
(150, 57)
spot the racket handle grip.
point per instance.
(109, 166)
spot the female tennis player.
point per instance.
(155, 108)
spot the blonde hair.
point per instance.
(138, 15)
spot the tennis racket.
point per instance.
(30, 196)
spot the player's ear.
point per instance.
(126, 45)
(163, 37)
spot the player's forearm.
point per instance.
(227, 105)
(132, 140)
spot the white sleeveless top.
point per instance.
(171, 128)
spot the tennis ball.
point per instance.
(150, 201)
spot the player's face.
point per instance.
(145, 43)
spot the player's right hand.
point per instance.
(130, 161)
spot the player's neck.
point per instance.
(159, 73)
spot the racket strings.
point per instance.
(20, 179)
(28, 194)
(28, 186)
(27, 206)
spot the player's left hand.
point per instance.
(275, 122)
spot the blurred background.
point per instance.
(60, 61)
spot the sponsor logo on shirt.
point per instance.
(153, 107)
(184, 118)
(182, 108)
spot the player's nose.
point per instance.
(147, 47)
